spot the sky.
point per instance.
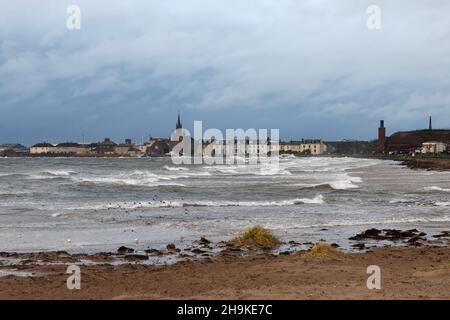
(311, 68)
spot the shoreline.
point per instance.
(424, 163)
(418, 269)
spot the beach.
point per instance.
(406, 273)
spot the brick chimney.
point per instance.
(381, 147)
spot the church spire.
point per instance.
(179, 125)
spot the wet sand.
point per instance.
(406, 273)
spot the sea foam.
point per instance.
(319, 199)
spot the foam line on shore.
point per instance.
(319, 199)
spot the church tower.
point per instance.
(178, 124)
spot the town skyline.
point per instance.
(415, 141)
(86, 139)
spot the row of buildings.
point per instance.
(163, 147)
(260, 148)
(107, 147)
(428, 141)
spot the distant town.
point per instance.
(426, 141)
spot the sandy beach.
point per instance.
(408, 272)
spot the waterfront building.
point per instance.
(313, 147)
(107, 146)
(127, 148)
(16, 147)
(41, 148)
(157, 147)
(433, 147)
(65, 148)
(13, 150)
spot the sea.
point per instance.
(98, 204)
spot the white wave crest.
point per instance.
(61, 173)
(436, 188)
(343, 183)
(140, 178)
(175, 168)
(271, 171)
(58, 214)
(443, 204)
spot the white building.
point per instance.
(314, 147)
(239, 147)
(66, 148)
(41, 148)
(433, 147)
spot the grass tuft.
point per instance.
(257, 236)
(323, 251)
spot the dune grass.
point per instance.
(323, 251)
(257, 236)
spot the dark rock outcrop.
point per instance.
(153, 252)
(388, 234)
(124, 250)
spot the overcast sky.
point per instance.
(310, 68)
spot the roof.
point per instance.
(42, 145)
(305, 141)
(69, 145)
(105, 143)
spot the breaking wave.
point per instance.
(175, 168)
(436, 188)
(257, 170)
(60, 173)
(271, 172)
(136, 178)
(343, 184)
(140, 178)
(443, 204)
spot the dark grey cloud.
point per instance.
(310, 68)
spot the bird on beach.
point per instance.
(69, 241)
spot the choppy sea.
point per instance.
(98, 204)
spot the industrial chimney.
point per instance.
(381, 147)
